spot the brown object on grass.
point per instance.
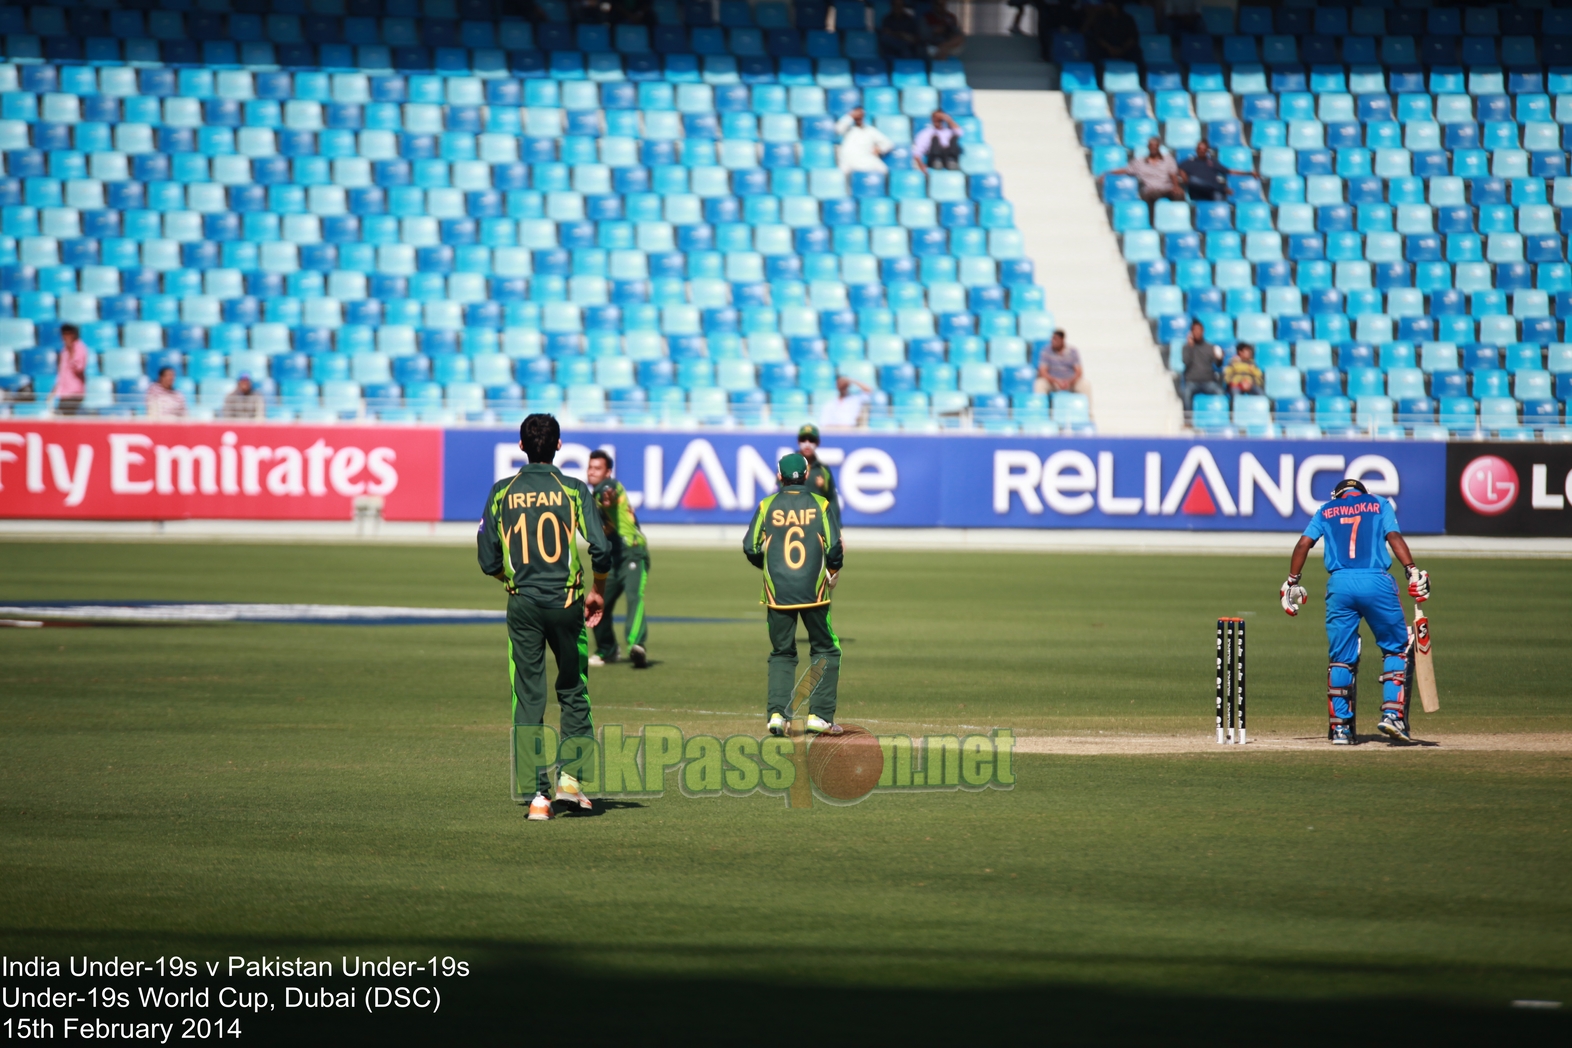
(846, 767)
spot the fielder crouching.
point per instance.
(1358, 527)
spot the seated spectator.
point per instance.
(1200, 366)
(943, 31)
(1059, 368)
(849, 408)
(939, 144)
(1241, 374)
(163, 399)
(900, 36)
(71, 379)
(1111, 34)
(244, 402)
(1159, 176)
(1204, 177)
(862, 145)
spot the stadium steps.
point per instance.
(1079, 264)
(1006, 63)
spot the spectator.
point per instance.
(1112, 34)
(1200, 365)
(862, 145)
(1159, 176)
(900, 36)
(163, 399)
(939, 144)
(1241, 374)
(71, 378)
(943, 31)
(244, 402)
(1204, 177)
(848, 408)
(1059, 368)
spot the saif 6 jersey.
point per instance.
(796, 531)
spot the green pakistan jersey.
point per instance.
(795, 536)
(822, 482)
(528, 532)
(617, 516)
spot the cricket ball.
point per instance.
(846, 767)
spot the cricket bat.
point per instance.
(801, 795)
(1424, 665)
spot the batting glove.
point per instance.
(1418, 583)
(1293, 595)
(832, 578)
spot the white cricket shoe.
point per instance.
(639, 659)
(819, 726)
(569, 792)
(598, 660)
(777, 724)
(540, 808)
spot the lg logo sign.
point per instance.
(1490, 486)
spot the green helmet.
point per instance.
(794, 469)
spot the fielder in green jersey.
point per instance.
(527, 539)
(795, 537)
(820, 480)
(631, 565)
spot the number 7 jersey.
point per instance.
(1354, 529)
(796, 538)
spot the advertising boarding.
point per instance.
(983, 482)
(1509, 489)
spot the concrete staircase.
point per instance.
(1078, 260)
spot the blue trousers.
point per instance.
(1372, 596)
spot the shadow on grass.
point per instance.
(529, 990)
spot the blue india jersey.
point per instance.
(1354, 529)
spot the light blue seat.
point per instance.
(1210, 414)
(1284, 382)
(1498, 413)
(1405, 383)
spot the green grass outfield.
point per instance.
(321, 790)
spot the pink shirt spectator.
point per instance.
(71, 379)
(165, 403)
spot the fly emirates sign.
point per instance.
(165, 472)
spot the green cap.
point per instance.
(794, 469)
(809, 432)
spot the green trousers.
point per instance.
(822, 643)
(532, 628)
(628, 577)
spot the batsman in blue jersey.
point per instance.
(1357, 528)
